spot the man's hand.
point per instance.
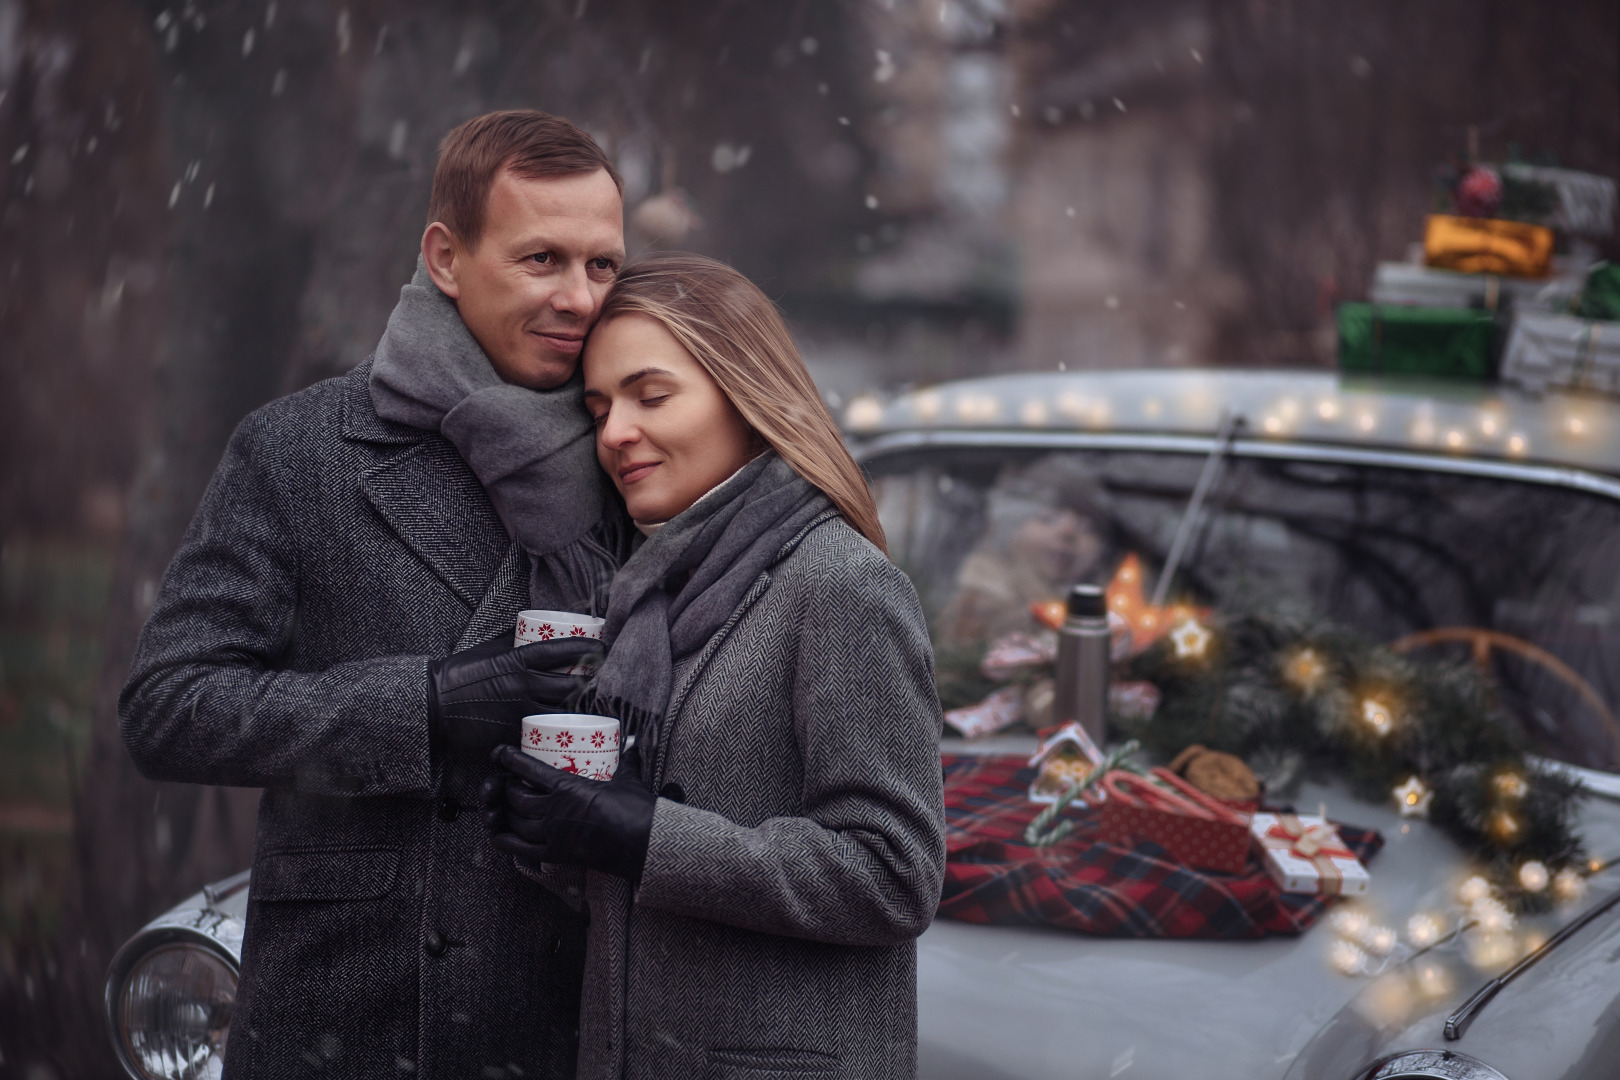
(477, 698)
(541, 814)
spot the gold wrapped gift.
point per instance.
(1487, 246)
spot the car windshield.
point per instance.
(985, 532)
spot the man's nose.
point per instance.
(573, 295)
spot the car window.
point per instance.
(985, 532)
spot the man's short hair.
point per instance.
(533, 144)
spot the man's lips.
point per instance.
(563, 343)
(636, 470)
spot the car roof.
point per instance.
(1440, 418)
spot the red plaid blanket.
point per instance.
(992, 876)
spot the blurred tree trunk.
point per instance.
(239, 255)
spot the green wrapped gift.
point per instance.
(1392, 339)
(1600, 298)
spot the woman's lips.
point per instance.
(629, 474)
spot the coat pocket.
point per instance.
(768, 1063)
(333, 873)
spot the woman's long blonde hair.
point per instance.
(734, 331)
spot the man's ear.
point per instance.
(439, 250)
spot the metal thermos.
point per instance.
(1081, 690)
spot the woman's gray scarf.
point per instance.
(533, 450)
(684, 583)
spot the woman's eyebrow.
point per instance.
(636, 376)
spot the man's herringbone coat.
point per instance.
(333, 555)
(798, 848)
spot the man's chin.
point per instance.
(541, 370)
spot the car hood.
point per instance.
(1005, 1002)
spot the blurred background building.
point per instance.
(210, 203)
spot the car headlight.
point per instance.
(172, 1012)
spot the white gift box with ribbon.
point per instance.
(1303, 854)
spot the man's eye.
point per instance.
(543, 257)
(603, 263)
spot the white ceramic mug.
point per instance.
(549, 625)
(574, 742)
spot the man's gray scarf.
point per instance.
(684, 583)
(533, 450)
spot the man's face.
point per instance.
(531, 289)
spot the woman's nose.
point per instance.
(616, 432)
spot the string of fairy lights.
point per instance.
(1269, 682)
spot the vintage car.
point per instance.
(1453, 516)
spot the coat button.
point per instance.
(448, 810)
(435, 944)
(673, 792)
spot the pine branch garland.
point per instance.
(1289, 691)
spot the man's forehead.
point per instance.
(580, 207)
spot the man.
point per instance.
(336, 628)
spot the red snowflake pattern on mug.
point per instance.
(546, 631)
(577, 631)
(599, 739)
(565, 738)
(535, 737)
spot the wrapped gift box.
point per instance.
(1487, 246)
(1579, 202)
(1303, 854)
(1563, 352)
(1421, 286)
(1600, 294)
(1395, 340)
(1002, 708)
(1200, 831)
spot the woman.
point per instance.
(755, 917)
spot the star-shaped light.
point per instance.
(1376, 715)
(1191, 640)
(1413, 798)
(1305, 670)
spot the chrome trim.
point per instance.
(1436, 1064)
(226, 887)
(194, 922)
(1457, 1023)
(1546, 475)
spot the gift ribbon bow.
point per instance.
(1318, 845)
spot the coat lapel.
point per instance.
(426, 493)
(508, 593)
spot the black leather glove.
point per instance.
(476, 698)
(557, 817)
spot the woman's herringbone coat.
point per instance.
(798, 846)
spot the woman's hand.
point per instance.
(541, 814)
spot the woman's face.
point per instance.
(665, 432)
